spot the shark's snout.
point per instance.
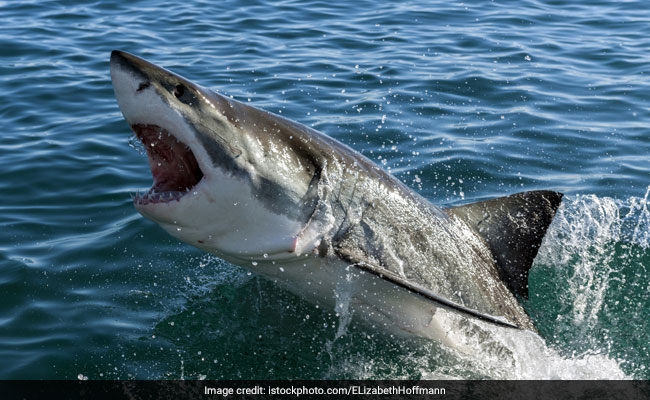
(126, 61)
(174, 167)
(220, 180)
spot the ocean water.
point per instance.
(463, 101)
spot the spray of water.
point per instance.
(344, 291)
(579, 273)
(591, 243)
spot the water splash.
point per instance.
(343, 295)
(525, 355)
(588, 283)
(586, 287)
(638, 211)
(591, 241)
(583, 232)
(137, 145)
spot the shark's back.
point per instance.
(477, 255)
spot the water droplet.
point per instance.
(254, 263)
(266, 255)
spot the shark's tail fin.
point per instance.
(513, 228)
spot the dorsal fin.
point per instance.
(513, 228)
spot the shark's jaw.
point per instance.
(174, 168)
(178, 163)
(199, 195)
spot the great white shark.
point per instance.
(306, 211)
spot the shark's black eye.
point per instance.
(179, 90)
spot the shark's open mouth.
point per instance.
(173, 166)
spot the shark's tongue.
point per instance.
(173, 165)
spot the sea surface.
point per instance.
(463, 101)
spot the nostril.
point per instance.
(143, 86)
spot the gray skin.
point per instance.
(360, 213)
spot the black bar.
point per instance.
(144, 390)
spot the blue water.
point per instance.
(462, 101)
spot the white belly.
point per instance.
(335, 285)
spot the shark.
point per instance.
(321, 220)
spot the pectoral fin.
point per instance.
(430, 295)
